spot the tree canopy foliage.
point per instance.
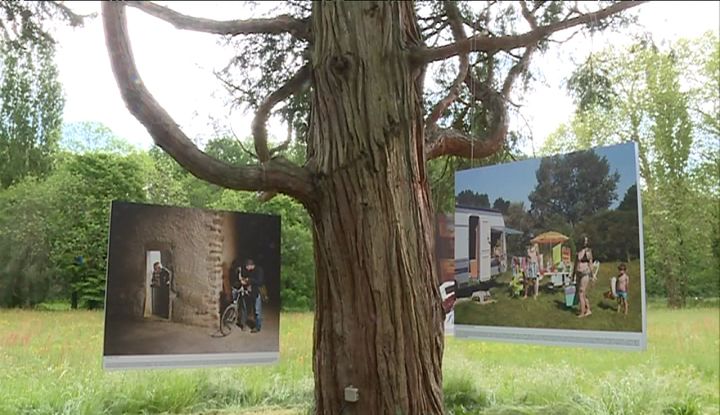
(574, 186)
(31, 105)
(31, 98)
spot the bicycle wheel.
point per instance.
(228, 319)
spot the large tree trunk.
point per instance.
(378, 320)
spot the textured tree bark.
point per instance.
(378, 319)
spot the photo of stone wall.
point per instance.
(170, 274)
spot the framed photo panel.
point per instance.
(191, 288)
(550, 251)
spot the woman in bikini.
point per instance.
(583, 273)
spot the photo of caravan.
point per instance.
(540, 244)
(480, 244)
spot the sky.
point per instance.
(176, 66)
(519, 180)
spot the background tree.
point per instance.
(83, 189)
(501, 204)
(84, 137)
(46, 225)
(517, 217)
(24, 24)
(572, 186)
(470, 198)
(614, 232)
(31, 101)
(630, 200)
(31, 106)
(54, 230)
(364, 181)
(26, 276)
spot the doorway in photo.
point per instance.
(157, 292)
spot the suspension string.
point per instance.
(473, 109)
(593, 78)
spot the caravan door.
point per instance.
(484, 248)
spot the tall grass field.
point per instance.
(51, 363)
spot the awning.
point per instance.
(506, 230)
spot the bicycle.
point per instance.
(231, 314)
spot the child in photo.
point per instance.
(621, 288)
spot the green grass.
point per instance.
(549, 309)
(50, 363)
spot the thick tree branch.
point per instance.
(275, 25)
(258, 126)
(451, 141)
(259, 122)
(458, 32)
(277, 174)
(492, 44)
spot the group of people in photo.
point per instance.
(248, 289)
(583, 276)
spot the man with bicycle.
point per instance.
(256, 277)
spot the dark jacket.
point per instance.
(257, 276)
(160, 278)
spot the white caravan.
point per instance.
(475, 228)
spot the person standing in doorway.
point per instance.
(160, 276)
(160, 284)
(256, 277)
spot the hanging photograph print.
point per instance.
(550, 251)
(191, 288)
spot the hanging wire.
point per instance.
(593, 78)
(473, 108)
